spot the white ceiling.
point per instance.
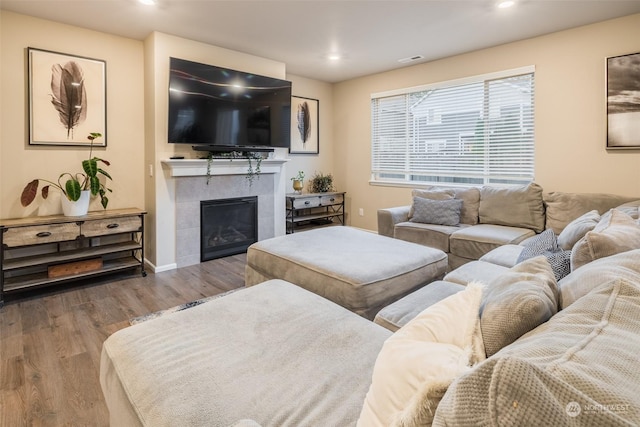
(372, 35)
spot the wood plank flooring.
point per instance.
(50, 341)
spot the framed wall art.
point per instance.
(305, 133)
(67, 98)
(623, 102)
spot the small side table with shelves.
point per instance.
(56, 249)
(314, 209)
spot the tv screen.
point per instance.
(216, 106)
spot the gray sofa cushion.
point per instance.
(398, 314)
(577, 228)
(473, 242)
(441, 212)
(562, 208)
(432, 235)
(506, 255)
(615, 233)
(576, 369)
(513, 206)
(516, 302)
(625, 265)
(480, 271)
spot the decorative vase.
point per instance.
(79, 207)
(297, 186)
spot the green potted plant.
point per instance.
(72, 185)
(321, 183)
(298, 182)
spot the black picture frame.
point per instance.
(305, 121)
(623, 102)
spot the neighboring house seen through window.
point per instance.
(471, 131)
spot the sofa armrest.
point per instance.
(388, 218)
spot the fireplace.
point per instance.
(227, 226)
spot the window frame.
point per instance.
(406, 181)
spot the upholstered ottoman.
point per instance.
(359, 270)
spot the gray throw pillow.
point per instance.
(516, 302)
(431, 195)
(577, 228)
(546, 244)
(442, 212)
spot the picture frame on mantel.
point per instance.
(67, 98)
(305, 120)
(623, 102)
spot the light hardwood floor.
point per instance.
(50, 341)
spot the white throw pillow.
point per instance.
(417, 363)
(577, 228)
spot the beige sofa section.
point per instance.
(492, 217)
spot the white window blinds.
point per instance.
(471, 131)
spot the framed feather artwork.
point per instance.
(305, 134)
(67, 98)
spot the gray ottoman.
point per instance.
(359, 270)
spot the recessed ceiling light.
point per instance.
(505, 4)
(334, 57)
(148, 2)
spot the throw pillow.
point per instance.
(431, 195)
(546, 244)
(418, 362)
(577, 228)
(516, 302)
(615, 233)
(442, 212)
(513, 206)
(470, 197)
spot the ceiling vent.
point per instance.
(410, 59)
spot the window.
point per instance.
(473, 131)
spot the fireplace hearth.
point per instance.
(227, 226)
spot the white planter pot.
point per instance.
(77, 208)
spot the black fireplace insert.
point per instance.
(227, 226)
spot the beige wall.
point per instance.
(570, 113)
(323, 161)
(20, 163)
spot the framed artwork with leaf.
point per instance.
(67, 98)
(305, 132)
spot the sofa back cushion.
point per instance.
(470, 200)
(513, 206)
(616, 232)
(562, 208)
(575, 369)
(579, 283)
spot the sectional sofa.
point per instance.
(518, 347)
(466, 223)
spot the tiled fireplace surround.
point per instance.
(227, 181)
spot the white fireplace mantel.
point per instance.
(198, 167)
(179, 231)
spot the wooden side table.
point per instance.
(314, 209)
(47, 250)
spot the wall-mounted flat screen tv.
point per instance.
(227, 109)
